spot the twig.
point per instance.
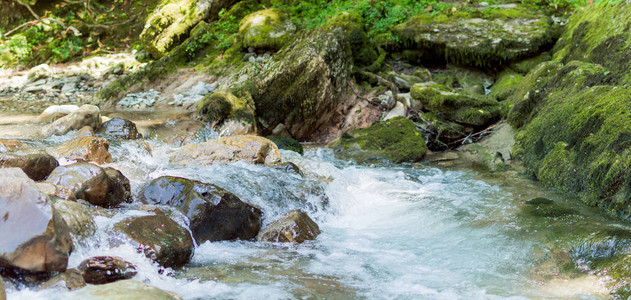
(350, 84)
(487, 130)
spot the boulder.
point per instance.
(507, 82)
(286, 143)
(396, 140)
(172, 20)
(12, 145)
(464, 79)
(464, 108)
(55, 112)
(78, 217)
(106, 269)
(294, 227)
(36, 165)
(118, 128)
(289, 167)
(442, 132)
(493, 151)
(36, 73)
(121, 290)
(221, 105)
(397, 111)
(86, 115)
(178, 132)
(56, 191)
(305, 85)
(160, 238)
(478, 38)
(84, 131)
(35, 237)
(215, 213)
(246, 148)
(268, 29)
(71, 279)
(87, 148)
(102, 187)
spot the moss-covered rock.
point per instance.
(599, 34)
(526, 65)
(506, 83)
(221, 105)
(479, 38)
(305, 85)
(396, 140)
(463, 108)
(466, 79)
(576, 133)
(172, 21)
(286, 143)
(268, 29)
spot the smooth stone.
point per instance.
(119, 129)
(35, 237)
(55, 112)
(122, 290)
(12, 145)
(71, 279)
(87, 148)
(86, 115)
(56, 191)
(246, 148)
(397, 111)
(106, 269)
(84, 131)
(78, 217)
(295, 227)
(36, 165)
(159, 238)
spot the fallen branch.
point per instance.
(479, 133)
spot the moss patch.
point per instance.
(286, 143)
(221, 105)
(506, 83)
(266, 29)
(396, 140)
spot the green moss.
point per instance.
(526, 65)
(396, 140)
(266, 29)
(220, 105)
(506, 83)
(578, 136)
(286, 143)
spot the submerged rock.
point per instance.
(87, 148)
(71, 279)
(294, 227)
(12, 145)
(178, 132)
(102, 187)
(119, 129)
(396, 140)
(35, 237)
(106, 269)
(86, 115)
(159, 238)
(268, 29)
(36, 165)
(215, 213)
(246, 148)
(476, 39)
(122, 290)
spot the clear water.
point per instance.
(387, 233)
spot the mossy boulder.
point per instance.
(441, 131)
(396, 140)
(464, 108)
(465, 79)
(576, 133)
(479, 38)
(172, 21)
(286, 143)
(305, 85)
(506, 83)
(268, 29)
(600, 34)
(526, 65)
(221, 105)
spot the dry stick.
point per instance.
(476, 134)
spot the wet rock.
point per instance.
(236, 127)
(222, 105)
(86, 115)
(464, 79)
(294, 227)
(286, 143)
(442, 132)
(119, 129)
(289, 167)
(55, 112)
(84, 131)
(106, 269)
(498, 37)
(87, 148)
(268, 29)
(35, 237)
(172, 20)
(177, 132)
(215, 213)
(246, 148)
(78, 217)
(71, 279)
(159, 238)
(122, 290)
(539, 201)
(3, 294)
(396, 140)
(36, 165)
(36, 73)
(102, 187)
(494, 151)
(12, 145)
(56, 191)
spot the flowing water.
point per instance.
(387, 233)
